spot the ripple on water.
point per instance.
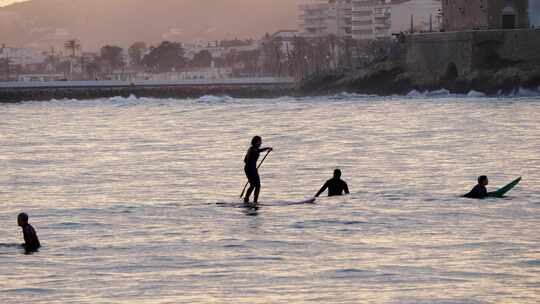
(122, 191)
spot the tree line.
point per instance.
(275, 56)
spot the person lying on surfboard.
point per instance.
(335, 185)
(479, 191)
(250, 168)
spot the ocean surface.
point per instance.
(134, 200)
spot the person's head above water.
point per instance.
(483, 180)
(256, 141)
(337, 173)
(22, 219)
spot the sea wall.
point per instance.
(489, 61)
(485, 60)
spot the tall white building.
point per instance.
(371, 19)
(325, 17)
(359, 19)
(362, 19)
(344, 17)
(316, 20)
(382, 19)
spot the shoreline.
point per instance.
(249, 92)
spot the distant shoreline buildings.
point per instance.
(332, 35)
(368, 19)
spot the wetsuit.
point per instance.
(478, 191)
(335, 187)
(250, 168)
(31, 241)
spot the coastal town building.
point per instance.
(286, 38)
(462, 15)
(218, 49)
(315, 19)
(362, 19)
(41, 77)
(325, 17)
(382, 19)
(21, 56)
(357, 19)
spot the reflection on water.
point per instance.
(123, 193)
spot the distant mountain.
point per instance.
(45, 23)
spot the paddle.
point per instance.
(262, 161)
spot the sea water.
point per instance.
(123, 194)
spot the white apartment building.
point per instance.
(371, 19)
(382, 19)
(325, 17)
(344, 18)
(362, 19)
(359, 19)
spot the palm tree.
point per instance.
(72, 45)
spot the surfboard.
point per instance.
(502, 191)
(289, 203)
(269, 204)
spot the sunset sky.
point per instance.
(8, 2)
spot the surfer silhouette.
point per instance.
(479, 191)
(335, 185)
(250, 168)
(31, 241)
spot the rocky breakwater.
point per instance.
(91, 90)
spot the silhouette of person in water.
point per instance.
(479, 191)
(250, 168)
(335, 185)
(31, 241)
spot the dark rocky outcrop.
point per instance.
(491, 62)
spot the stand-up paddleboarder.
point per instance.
(252, 174)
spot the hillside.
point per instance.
(43, 23)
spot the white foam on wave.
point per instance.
(474, 93)
(214, 99)
(343, 96)
(444, 93)
(435, 93)
(523, 92)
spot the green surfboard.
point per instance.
(501, 192)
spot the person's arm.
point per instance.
(266, 149)
(346, 188)
(323, 188)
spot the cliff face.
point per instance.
(485, 61)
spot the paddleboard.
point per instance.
(288, 203)
(269, 204)
(501, 192)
